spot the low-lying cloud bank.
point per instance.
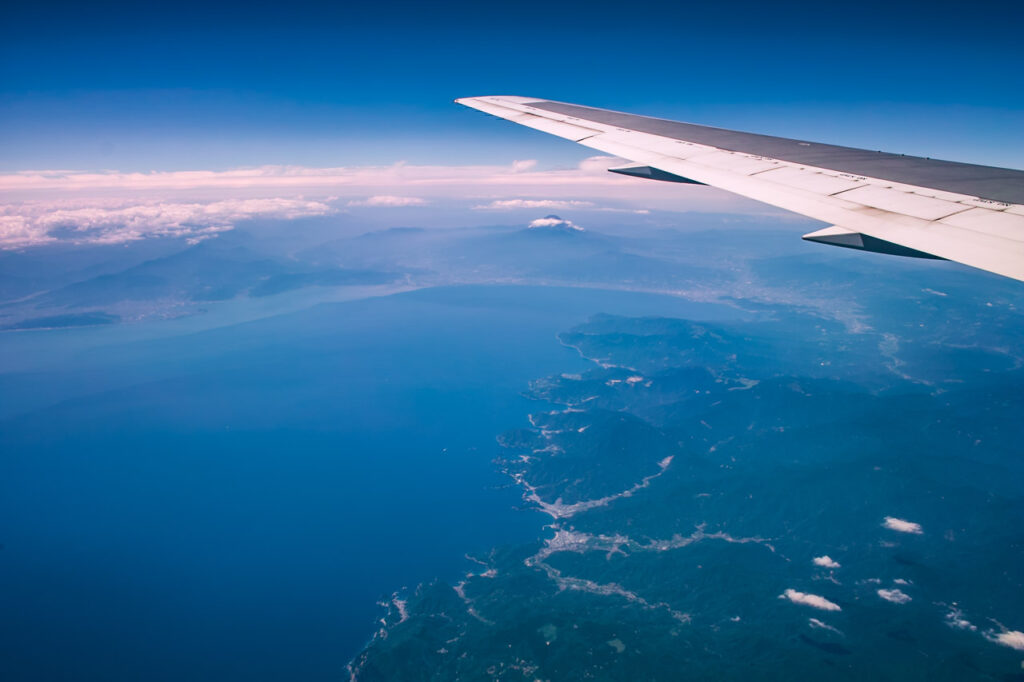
(40, 207)
(114, 222)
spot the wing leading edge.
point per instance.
(873, 201)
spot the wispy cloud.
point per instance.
(812, 600)
(524, 165)
(512, 204)
(820, 625)
(902, 526)
(388, 200)
(895, 595)
(600, 163)
(301, 178)
(587, 183)
(1004, 636)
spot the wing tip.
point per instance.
(499, 99)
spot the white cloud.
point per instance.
(1011, 638)
(18, 231)
(524, 165)
(634, 211)
(895, 595)
(513, 204)
(115, 222)
(892, 523)
(820, 625)
(553, 221)
(825, 562)
(812, 600)
(955, 619)
(597, 164)
(389, 201)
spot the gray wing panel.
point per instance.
(995, 184)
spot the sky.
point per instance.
(214, 87)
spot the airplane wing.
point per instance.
(874, 201)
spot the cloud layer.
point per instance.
(38, 207)
(542, 184)
(114, 222)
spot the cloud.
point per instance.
(1011, 638)
(892, 523)
(955, 619)
(518, 174)
(388, 201)
(820, 625)
(588, 182)
(825, 562)
(513, 204)
(597, 164)
(524, 165)
(18, 231)
(554, 222)
(895, 595)
(812, 600)
(43, 206)
(113, 222)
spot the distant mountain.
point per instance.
(209, 271)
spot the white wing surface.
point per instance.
(873, 201)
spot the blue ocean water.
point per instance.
(230, 503)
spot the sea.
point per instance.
(230, 495)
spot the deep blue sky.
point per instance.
(137, 86)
